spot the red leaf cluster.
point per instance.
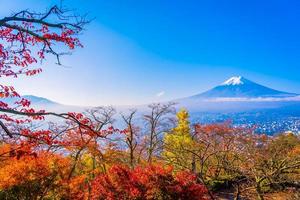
(151, 182)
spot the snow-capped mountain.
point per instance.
(239, 94)
(237, 99)
(235, 80)
(240, 87)
(236, 93)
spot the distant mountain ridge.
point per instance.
(236, 93)
(240, 87)
(35, 100)
(39, 100)
(237, 99)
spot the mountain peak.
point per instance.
(235, 80)
(240, 87)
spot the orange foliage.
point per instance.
(29, 168)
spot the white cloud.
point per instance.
(160, 94)
(267, 99)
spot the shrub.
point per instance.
(152, 182)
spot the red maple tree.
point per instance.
(26, 39)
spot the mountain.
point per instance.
(240, 87)
(239, 94)
(236, 93)
(35, 100)
(238, 99)
(45, 104)
(39, 100)
(246, 103)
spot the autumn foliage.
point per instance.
(151, 182)
(31, 176)
(47, 176)
(26, 38)
(86, 157)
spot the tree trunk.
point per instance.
(206, 186)
(259, 192)
(150, 151)
(193, 164)
(131, 157)
(238, 193)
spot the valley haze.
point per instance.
(238, 99)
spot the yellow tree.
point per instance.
(178, 141)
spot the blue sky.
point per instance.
(143, 51)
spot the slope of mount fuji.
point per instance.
(239, 94)
(240, 87)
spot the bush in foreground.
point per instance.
(151, 182)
